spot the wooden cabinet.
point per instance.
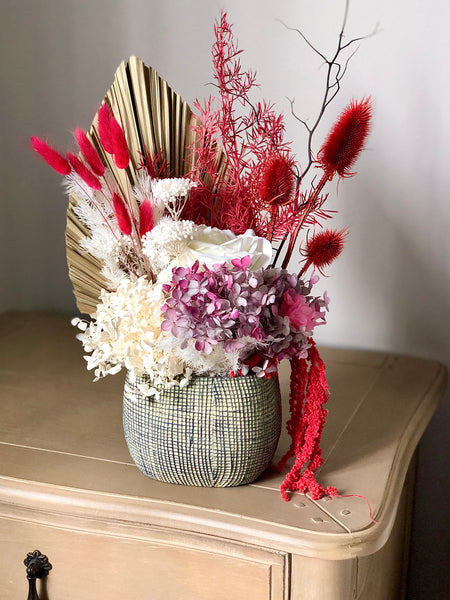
(69, 488)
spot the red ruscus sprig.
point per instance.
(309, 390)
(323, 248)
(89, 152)
(122, 215)
(51, 156)
(86, 175)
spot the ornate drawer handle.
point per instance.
(38, 566)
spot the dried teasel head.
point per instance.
(277, 186)
(323, 248)
(346, 139)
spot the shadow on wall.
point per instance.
(413, 290)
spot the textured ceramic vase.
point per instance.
(215, 432)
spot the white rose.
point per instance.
(211, 246)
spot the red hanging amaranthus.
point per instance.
(309, 393)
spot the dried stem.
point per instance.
(335, 73)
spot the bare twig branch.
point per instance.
(334, 73)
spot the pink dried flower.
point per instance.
(89, 152)
(51, 156)
(300, 313)
(87, 176)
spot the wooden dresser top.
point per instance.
(62, 449)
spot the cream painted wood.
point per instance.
(93, 566)
(66, 480)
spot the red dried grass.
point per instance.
(119, 144)
(89, 152)
(86, 175)
(51, 156)
(145, 217)
(104, 128)
(122, 214)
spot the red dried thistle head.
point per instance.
(87, 176)
(323, 248)
(89, 152)
(346, 139)
(51, 156)
(277, 182)
(122, 214)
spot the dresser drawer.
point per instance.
(161, 565)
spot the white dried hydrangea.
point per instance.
(173, 193)
(126, 332)
(167, 241)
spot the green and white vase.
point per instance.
(215, 432)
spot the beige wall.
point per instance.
(390, 290)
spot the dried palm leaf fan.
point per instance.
(157, 121)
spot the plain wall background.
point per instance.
(390, 289)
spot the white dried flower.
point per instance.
(143, 191)
(167, 241)
(126, 332)
(173, 193)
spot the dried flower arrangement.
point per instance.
(190, 263)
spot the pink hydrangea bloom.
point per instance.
(300, 313)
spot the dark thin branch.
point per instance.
(322, 56)
(332, 80)
(332, 88)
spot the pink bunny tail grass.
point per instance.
(80, 169)
(51, 156)
(89, 152)
(122, 215)
(104, 128)
(145, 217)
(120, 146)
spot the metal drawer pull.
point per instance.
(37, 567)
